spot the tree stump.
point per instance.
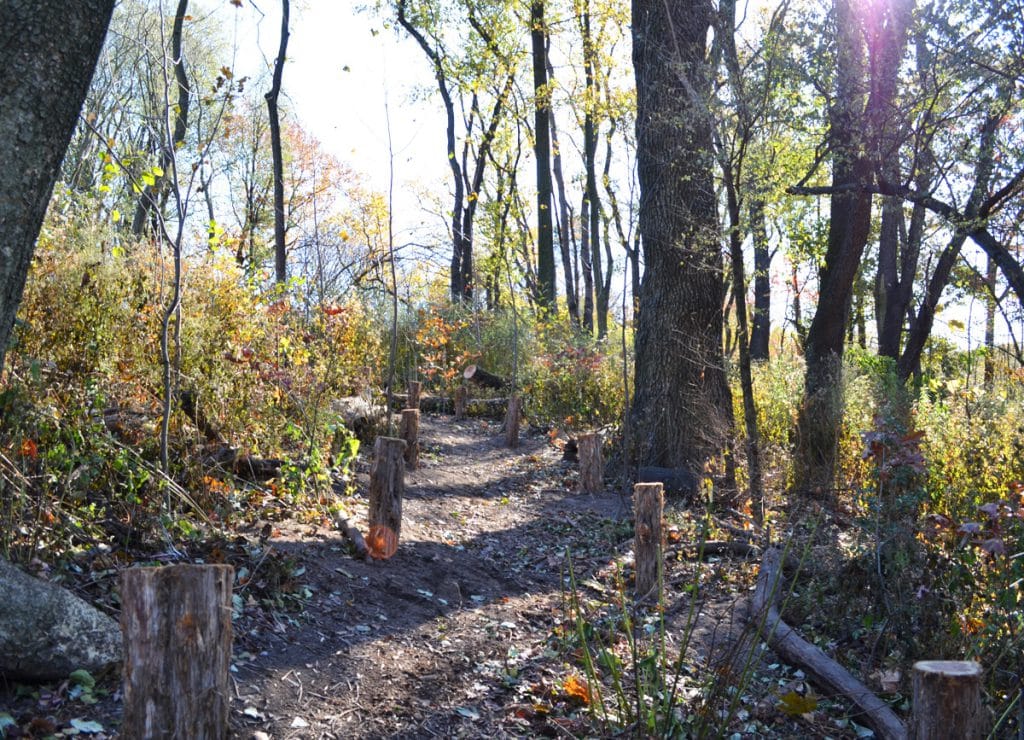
(177, 651)
(461, 396)
(947, 700)
(648, 540)
(591, 463)
(409, 431)
(387, 486)
(415, 387)
(512, 422)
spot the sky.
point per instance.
(349, 81)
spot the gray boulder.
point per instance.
(46, 632)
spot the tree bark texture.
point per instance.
(542, 153)
(50, 52)
(648, 544)
(591, 463)
(387, 488)
(177, 644)
(280, 255)
(947, 700)
(415, 388)
(461, 394)
(682, 412)
(409, 431)
(512, 419)
(761, 329)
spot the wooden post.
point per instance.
(648, 505)
(460, 402)
(177, 651)
(415, 387)
(387, 486)
(591, 463)
(512, 422)
(409, 431)
(947, 700)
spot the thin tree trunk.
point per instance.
(280, 255)
(572, 299)
(152, 193)
(761, 332)
(542, 152)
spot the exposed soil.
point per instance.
(464, 632)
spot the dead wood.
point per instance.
(789, 645)
(479, 376)
(354, 536)
(716, 547)
(190, 406)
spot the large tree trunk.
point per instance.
(280, 256)
(50, 52)
(859, 135)
(542, 152)
(682, 410)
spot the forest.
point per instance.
(678, 392)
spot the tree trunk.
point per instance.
(565, 241)
(50, 52)
(542, 152)
(280, 256)
(991, 299)
(761, 331)
(177, 644)
(947, 700)
(682, 412)
(860, 136)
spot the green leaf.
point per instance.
(115, 215)
(157, 170)
(147, 177)
(83, 678)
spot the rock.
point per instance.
(46, 632)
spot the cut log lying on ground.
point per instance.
(479, 376)
(677, 481)
(480, 408)
(789, 645)
(354, 536)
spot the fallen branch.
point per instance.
(715, 547)
(354, 536)
(789, 645)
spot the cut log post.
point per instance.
(177, 651)
(947, 700)
(512, 422)
(461, 396)
(591, 463)
(476, 374)
(409, 431)
(415, 387)
(648, 539)
(387, 487)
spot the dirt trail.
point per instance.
(446, 638)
